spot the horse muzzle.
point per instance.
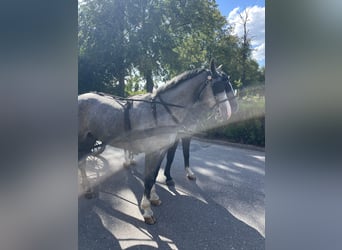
(224, 108)
(233, 103)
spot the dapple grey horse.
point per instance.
(149, 123)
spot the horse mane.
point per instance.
(175, 81)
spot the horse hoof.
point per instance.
(191, 177)
(156, 202)
(170, 183)
(150, 220)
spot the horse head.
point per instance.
(218, 93)
(224, 93)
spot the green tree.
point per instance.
(194, 25)
(122, 41)
(151, 41)
(226, 52)
(105, 51)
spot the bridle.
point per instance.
(218, 87)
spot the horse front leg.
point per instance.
(152, 166)
(169, 159)
(186, 155)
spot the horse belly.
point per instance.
(154, 143)
(147, 141)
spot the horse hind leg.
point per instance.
(87, 188)
(84, 150)
(129, 158)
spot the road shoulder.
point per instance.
(231, 144)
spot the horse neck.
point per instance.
(184, 93)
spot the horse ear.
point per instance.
(213, 68)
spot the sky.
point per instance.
(256, 26)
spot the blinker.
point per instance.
(218, 87)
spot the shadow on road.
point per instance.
(188, 218)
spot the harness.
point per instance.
(217, 88)
(127, 122)
(168, 110)
(128, 102)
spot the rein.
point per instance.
(152, 100)
(168, 110)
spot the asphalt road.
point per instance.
(223, 209)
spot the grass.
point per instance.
(247, 126)
(249, 107)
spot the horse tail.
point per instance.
(85, 146)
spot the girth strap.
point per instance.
(127, 121)
(154, 110)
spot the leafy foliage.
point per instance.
(128, 47)
(157, 38)
(248, 125)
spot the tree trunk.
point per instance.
(245, 45)
(121, 87)
(149, 81)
